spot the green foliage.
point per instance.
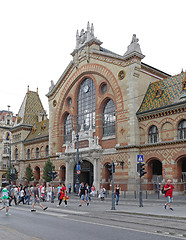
(29, 176)
(47, 168)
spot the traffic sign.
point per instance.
(140, 158)
(78, 167)
(78, 171)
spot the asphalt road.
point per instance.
(92, 222)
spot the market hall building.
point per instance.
(100, 92)
(121, 106)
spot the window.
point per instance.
(153, 134)
(16, 154)
(37, 152)
(182, 129)
(28, 154)
(86, 105)
(67, 129)
(47, 151)
(108, 119)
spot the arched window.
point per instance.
(86, 105)
(16, 154)
(47, 151)
(153, 134)
(28, 154)
(108, 119)
(37, 152)
(67, 129)
(182, 129)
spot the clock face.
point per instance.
(86, 88)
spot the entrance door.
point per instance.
(86, 174)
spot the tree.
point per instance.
(29, 176)
(47, 168)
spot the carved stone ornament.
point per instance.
(121, 75)
(54, 103)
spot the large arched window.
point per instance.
(182, 129)
(67, 129)
(86, 105)
(153, 134)
(108, 119)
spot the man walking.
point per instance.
(169, 190)
(83, 194)
(35, 199)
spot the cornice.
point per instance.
(150, 145)
(161, 112)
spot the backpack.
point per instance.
(163, 191)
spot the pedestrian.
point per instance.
(62, 196)
(58, 191)
(88, 198)
(83, 193)
(117, 193)
(43, 194)
(5, 199)
(22, 196)
(169, 190)
(28, 195)
(69, 188)
(102, 193)
(35, 199)
(93, 190)
(49, 192)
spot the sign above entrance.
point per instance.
(139, 158)
(78, 167)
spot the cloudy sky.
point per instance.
(38, 36)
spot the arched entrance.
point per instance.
(86, 174)
(155, 173)
(181, 173)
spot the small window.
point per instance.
(104, 88)
(16, 154)
(47, 151)
(182, 129)
(153, 134)
(37, 152)
(28, 154)
(68, 129)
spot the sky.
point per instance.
(37, 38)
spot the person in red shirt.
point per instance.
(62, 194)
(169, 190)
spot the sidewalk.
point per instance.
(151, 207)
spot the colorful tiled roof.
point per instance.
(39, 130)
(163, 93)
(30, 108)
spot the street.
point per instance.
(95, 221)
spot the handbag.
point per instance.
(67, 197)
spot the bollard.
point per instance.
(146, 194)
(158, 194)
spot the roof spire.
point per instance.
(28, 89)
